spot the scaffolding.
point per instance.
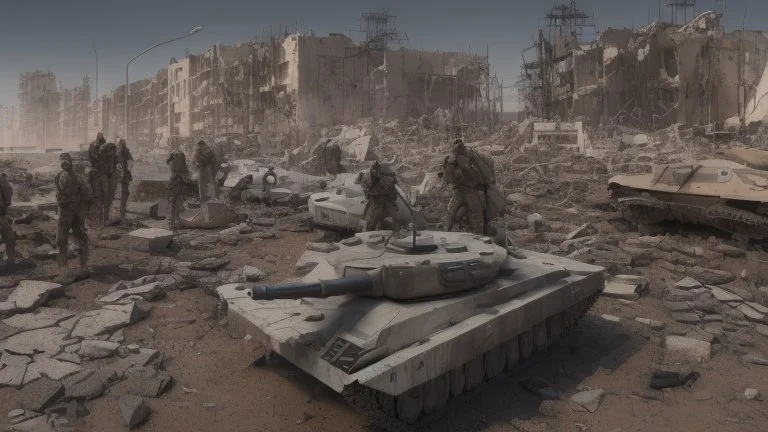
(380, 30)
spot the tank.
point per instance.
(341, 206)
(720, 193)
(400, 325)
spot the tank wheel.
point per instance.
(494, 359)
(436, 393)
(474, 372)
(409, 404)
(456, 378)
(526, 344)
(643, 210)
(512, 348)
(540, 338)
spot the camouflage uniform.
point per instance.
(381, 194)
(460, 174)
(6, 232)
(124, 158)
(333, 159)
(73, 195)
(205, 160)
(179, 185)
(103, 178)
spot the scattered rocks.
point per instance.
(145, 382)
(108, 319)
(677, 295)
(47, 340)
(697, 350)
(322, 247)
(730, 251)
(150, 239)
(263, 222)
(755, 359)
(752, 394)
(686, 317)
(96, 349)
(611, 318)
(669, 379)
(750, 313)
(536, 222)
(43, 252)
(688, 283)
(585, 230)
(252, 274)
(135, 411)
(204, 242)
(210, 264)
(587, 400)
(541, 388)
(625, 287)
(52, 368)
(84, 385)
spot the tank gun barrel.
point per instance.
(355, 284)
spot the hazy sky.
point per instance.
(60, 34)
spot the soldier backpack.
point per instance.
(484, 166)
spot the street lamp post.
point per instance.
(127, 85)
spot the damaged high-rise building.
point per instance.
(651, 77)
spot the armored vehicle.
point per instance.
(399, 325)
(341, 206)
(721, 193)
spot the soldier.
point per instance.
(333, 159)
(459, 173)
(205, 161)
(179, 186)
(103, 178)
(269, 180)
(125, 161)
(6, 232)
(380, 191)
(73, 196)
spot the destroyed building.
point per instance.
(649, 78)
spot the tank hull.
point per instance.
(394, 350)
(719, 193)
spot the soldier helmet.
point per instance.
(65, 157)
(121, 142)
(201, 143)
(271, 168)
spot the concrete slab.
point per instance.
(41, 318)
(252, 274)
(36, 424)
(13, 370)
(30, 294)
(40, 394)
(688, 283)
(47, 341)
(53, 369)
(619, 290)
(7, 331)
(134, 410)
(150, 239)
(107, 320)
(587, 400)
(723, 295)
(145, 382)
(68, 357)
(750, 313)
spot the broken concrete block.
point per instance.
(84, 385)
(688, 283)
(758, 307)
(710, 276)
(30, 294)
(677, 295)
(13, 369)
(210, 264)
(147, 292)
(756, 359)
(587, 400)
(96, 349)
(723, 295)
(535, 222)
(47, 341)
(134, 410)
(53, 369)
(686, 317)
(150, 239)
(68, 357)
(38, 395)
(730, 251)
(752, 394)
(108, 319)
(39, 423)
(41, 318)
(697, 350)
(619, 290)
(252, 274)
(204, 242)
(750, 313)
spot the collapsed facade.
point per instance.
(650, 78)
(273, 90)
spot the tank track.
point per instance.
(738, 222)
(639, 209)
(421, 407)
